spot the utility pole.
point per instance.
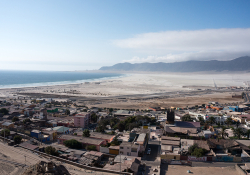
(25, 159)
(120, 163)
(4, 136)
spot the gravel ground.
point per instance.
(6, 168)
(181, 170)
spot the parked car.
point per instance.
(148, 152)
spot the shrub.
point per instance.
(91, 147)
(51, 150)
(73, 144)
(86, 133)
(15, 119)
(18, 139)
(7, 132)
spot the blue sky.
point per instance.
(85, 35)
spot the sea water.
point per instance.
(14, 79)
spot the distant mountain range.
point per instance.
(238, 64)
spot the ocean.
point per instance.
(16, 79)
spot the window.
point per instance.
(121, 147)
(121, 152)
(128, 153)
(127, 147)
(174, 157)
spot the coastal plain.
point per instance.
(143, 90)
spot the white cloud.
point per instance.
(171, 46)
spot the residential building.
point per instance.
(108, 138)
(84, 140)
(142, 140)
(130, 165)
(62, 130)
(7, 125)
(82, 120)
(129, 148)
(170, 141)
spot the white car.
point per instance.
(149, 149)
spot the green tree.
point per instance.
(73, 144)
(111, 110)
(4, 111)
(238, 132)
(67, 112)
(115, 142)
(229, 121)
(223, 132)
(237, 124)
(86, 133)
(100, 128)
(242, 95)
(7, 132)
(26, 120)
(191, 148)
(211, 120)
(201, 120)
(198, 152)
(14, 119)
(121, 126)
(91, 147)
(194, 150)
(187, 118)
(17, 139)
(248, 133)
(51, 151)
(93, 118)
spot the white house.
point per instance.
(129, 149)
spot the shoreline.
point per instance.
(61, 83)
(140, 90)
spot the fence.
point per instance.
(210, 158)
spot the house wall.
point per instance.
(135, 153)
(104, 149)
(34, 134)
(125, 150)
(223, 159)
(198, 159)
(114, 151)
(173, 156)
(8, 127)
(81, 121)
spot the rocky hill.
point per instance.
(238, 64)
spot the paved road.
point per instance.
(153, 160)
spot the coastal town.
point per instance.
(63, 136)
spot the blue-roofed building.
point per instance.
(235, 108)
(35, 133)
(38, 134)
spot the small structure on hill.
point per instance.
(46, 168)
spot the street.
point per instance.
(153, 160)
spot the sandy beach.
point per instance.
(141, 90)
